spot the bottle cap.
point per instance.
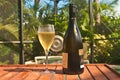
(72, 10)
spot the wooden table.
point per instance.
(32, 72)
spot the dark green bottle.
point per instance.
(72, 46)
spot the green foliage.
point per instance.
(106, 51)
(37, 49)
(115, 52)
(60, 24)
(10, 30)
(7, 55)
(101, 50)
(31, 24)
(9, 11)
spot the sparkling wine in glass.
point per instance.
(46, 35)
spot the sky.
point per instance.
(117, 8)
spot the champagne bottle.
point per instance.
(72, 46)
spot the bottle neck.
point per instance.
(72, 23)
(72, 20)
(72, 15)
(72, 11)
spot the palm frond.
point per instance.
(8, 32)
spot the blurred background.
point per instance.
(102, 36)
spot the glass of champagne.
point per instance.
(46, 35)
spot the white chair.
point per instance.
(29, 62)
(41, 59)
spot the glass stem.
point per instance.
(46, 61)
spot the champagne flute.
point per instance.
(46, 35)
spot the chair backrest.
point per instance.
(54, 59)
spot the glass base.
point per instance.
(47, 72)
(49, 75)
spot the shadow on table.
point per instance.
(31, 69)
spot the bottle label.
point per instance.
(80, 52)
(65, 60)
(81, 66)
